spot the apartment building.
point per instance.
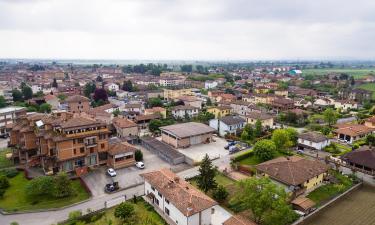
(78, 104)
(174, 94)
(7, 116)
(60, 142)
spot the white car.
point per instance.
(111, 172)
(140, 165)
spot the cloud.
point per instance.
(180, 29)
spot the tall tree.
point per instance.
(330, 116)
(128, 86)
(3, 102)
(281, 139)
(54, 83)
(89, 89)
(100, 94)
(27, 92)
(258, 128)
(17, 95)
(265, 149)
(206, 179)
(266, 201)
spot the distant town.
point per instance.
(191, 143)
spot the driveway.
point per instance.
(213, 149)
(97, 179)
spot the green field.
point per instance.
(4, 162)
(15, 198)
(356, 73)
(369, 87)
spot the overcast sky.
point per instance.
(187, 29)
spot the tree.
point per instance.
(128, 86)
(245, 136)
(138, 155)
(208, 102)
(62, 97)
(258, 128)
(116, 113)
(154, 102)
(125, 211)
(250, 132)
(266, 201)
(17, 95)
(42, 185)
(4, 182)
(293, 135)
(330, 116)
(45, 108)
(100, 94)
(204, 117)
(220, 193)
(54, 83)
(99, 79)
(89, 89)
(187, 68)
(265, 150)
(3, 102)
(27, 92)
(370, 140)
(206, 178)
(281, 139)
(62, 185)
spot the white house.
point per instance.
(228, 125)
(183, 111)
(113, 87)
(345, 105)
(210, 84)
(312, 140)
(177, 200)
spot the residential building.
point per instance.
(8, 116)
(78, 104)
(265, 119)
(362, 159)
(174, 94)
(351, 132)
(228, 125)
(125, 127)
(113, 87)
(294, 173)
(171, 81)
(312, 140)
(162, 111)
(133, 107)
(184, 111)
(282, 104)
(177, 200)
(210, 84)
(121, 155)
(191, 101)
(345, 105)
(370, 122)
(186, 134)
(220, 111)
(53, 101)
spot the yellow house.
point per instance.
(283, 93)
(296, 173)
(220, 111)
(265, 119)
(173, 94)
(160, 110)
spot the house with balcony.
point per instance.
(184, 111)
(220, 111)
(228, 125)
(176, 200)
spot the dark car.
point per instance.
(111, 187)
(230, 143)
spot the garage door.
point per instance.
(195, 140)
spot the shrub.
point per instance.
(73, 215)
(2, 192)
(14, 223)
(265, 150)
(62, 186)
(138, 155)
(4, 182)
(124, 211)
(243, 156)
(220, 193)
(10, 173)
(42, 185)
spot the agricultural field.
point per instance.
(355, 208)
(369, 87)
(356, 73)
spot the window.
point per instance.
(102, 145)
(82, 150)
(212, 210)
(80, 140)
(74, 151)
(166, 211)
(91, 150)
(157, 201)
(160, 194)
(153, 188)
(74, 141)
(167, 201)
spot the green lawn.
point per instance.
(356, 73)
(328, 191)
(253, 160)
(4, 162)
(15, 198)
(369, 87)
(145, 214)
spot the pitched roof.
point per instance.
(238, 220)
(354, 130)
(123, 123)
(260, 116)
(292, 170)
(184, 130)
(185, 197)
(119, 148)
(78, 122)
(77, 98)
(313, 136)
(364, 156)
(231, 120)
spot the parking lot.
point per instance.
(97, 179)
(213, 149)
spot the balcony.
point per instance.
(90, 144)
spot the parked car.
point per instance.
(111, 187)
(111, 172)
(230, 143)
(300, 213)
(140, 165)
(233, 149)
(299, 151)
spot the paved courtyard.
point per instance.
(213, 149)
(97, 179)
